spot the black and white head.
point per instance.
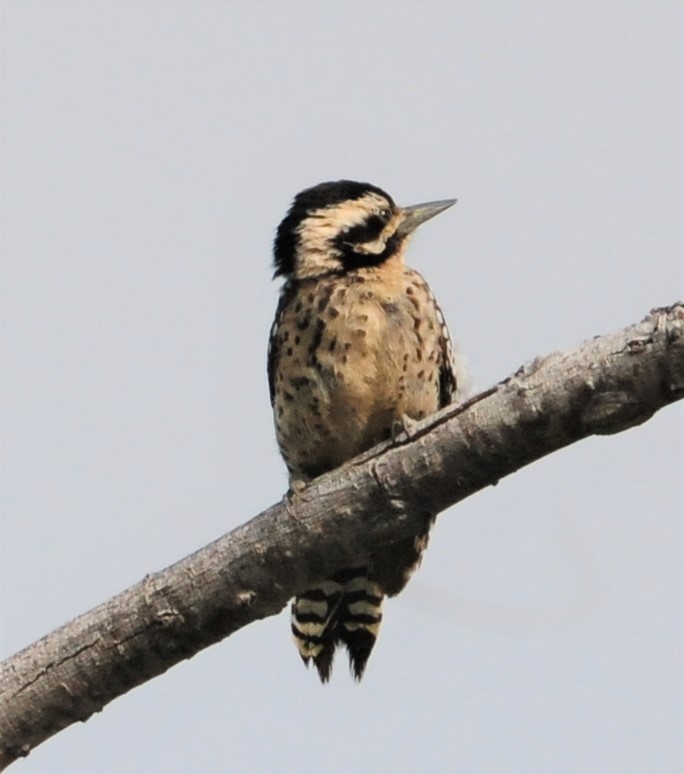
(343, 225)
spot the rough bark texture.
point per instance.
(609, 384)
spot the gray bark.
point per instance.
(607, 385)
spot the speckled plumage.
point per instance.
(358, 346)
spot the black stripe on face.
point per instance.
(353, 259)
(367, 231)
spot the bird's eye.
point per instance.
(385, 214)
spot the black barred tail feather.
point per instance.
(313, 620)
(344, 610)
(360, 621)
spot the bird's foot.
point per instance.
(402, 427)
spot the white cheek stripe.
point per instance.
(372, 248)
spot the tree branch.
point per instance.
(607, 385)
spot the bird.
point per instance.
(358, 348)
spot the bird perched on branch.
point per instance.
(358, 348)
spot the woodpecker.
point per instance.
(358, 345)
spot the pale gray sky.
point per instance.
(149, 150)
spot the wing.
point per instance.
(447, 373)
(274, 343)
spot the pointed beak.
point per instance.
(419, 213)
